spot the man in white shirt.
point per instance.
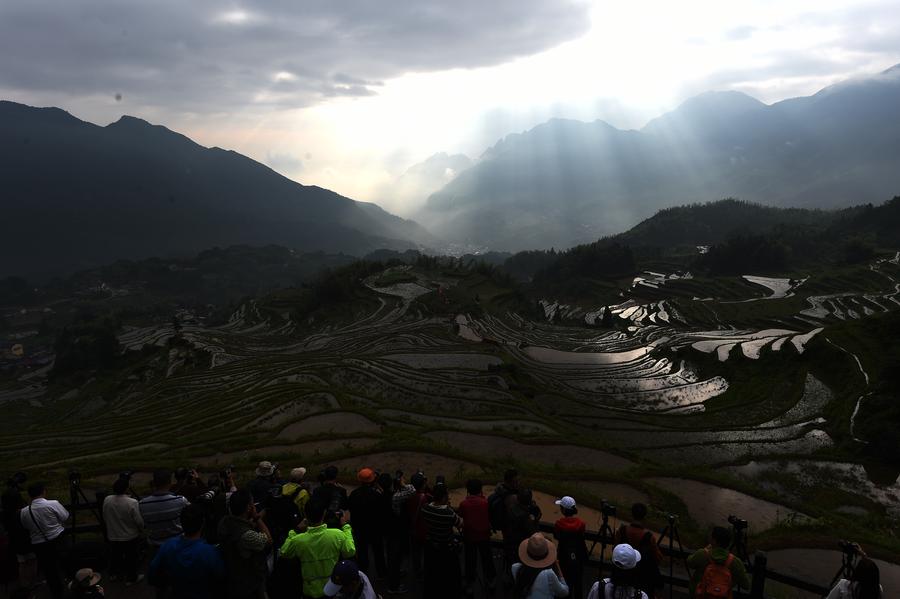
(44, 519)
(124, 524)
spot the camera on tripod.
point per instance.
(737, 523)
(74, 478)
(607, 509)
(849, 547)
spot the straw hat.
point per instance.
(265, 468)
(536, 551)
(84, 578)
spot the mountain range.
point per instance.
(567, 182)
(75, 195)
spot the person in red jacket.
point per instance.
(477, 535)
(569, 533)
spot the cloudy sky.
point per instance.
(349, 94)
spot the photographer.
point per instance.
(522, 518)
(265, 485)
(161, 510)
(44, 519)
(442, 575)
(864, 582)
(124, 524)
(644, 541)
(365, 503)
(537, 574)
(188, 484)
(332, 495)
(715, 562)
(246, 543)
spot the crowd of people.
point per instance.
(274, 537)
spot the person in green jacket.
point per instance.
(319, 548)
(717, 551)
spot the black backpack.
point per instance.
(648, 568)
(497, 509)
(283, 515)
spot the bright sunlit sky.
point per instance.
(348, 95)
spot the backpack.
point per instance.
(716, 581)
(648, 567)
(282, 515)
(497, 509)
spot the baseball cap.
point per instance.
(344, 571)
(366, 475)
(625, 556)
(566, 502)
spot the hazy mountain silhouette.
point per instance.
(568, 182)
(75, 195)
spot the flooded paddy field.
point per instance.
(674, 387)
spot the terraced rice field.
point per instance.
(575, 405)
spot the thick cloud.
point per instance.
(204, 56)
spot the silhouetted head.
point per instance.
(867, 579)
(162, 479)
(638, 512)
(36, 490)
(330, 474)
(120, 487)
(511, 478)
(474, 487)
(439, 493)
(192, 519)
(721, 537)
(315, 512)
(239, 503)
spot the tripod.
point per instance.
(670, 532)
(78, 499)
(848, 562)
(604, 537)
(739, 542)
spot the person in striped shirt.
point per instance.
(442, 573)
(161, 510)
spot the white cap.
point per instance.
(566, 502)
(625, 556)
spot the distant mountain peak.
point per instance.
(892, 71)
(132, 122)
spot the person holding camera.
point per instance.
(365, 504)
(716, 566)
(537, 574)
(124, 524)
(246, 542)
(332, 495)
(319, 547)
(161, 510)
(864, 582)
(188, 484)
(44, 519)
(522, 519)
(442, 575)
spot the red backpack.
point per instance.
(716, 580)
